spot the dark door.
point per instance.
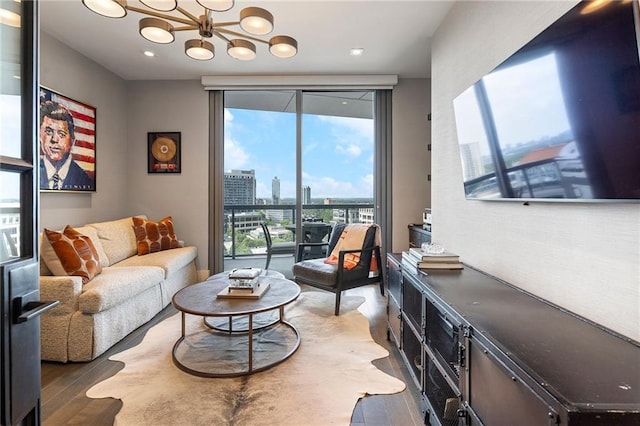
(19, 288)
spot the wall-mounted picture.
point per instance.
(67, 136)
(163, 152)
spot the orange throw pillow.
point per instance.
(76, 252)
(154, 236)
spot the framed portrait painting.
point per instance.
(163, 152)
(67, 136)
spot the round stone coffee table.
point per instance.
(239, 323)
(231, 352)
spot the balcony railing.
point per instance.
(241, 219)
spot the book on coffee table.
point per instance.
(230, 292)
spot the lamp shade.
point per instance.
(255, 20)
(156, 30)
(283, 46)
(240, 49)
(201, 50)
(161, 5)
(216, 5)
(108, 8)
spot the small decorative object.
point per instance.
(432, 248)
(244, 279)
(67, 132)
(163, 152)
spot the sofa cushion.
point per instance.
(117, 238)
(153, 236)
(116, 285)
(171, 260)
(47, 254)
(75, 254)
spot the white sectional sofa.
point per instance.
(130, 290)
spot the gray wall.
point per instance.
(411, 162)
(171, 106)
(583, 257)
(71, 74)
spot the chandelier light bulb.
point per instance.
(283, 46)
(240, 49)
(160, 5)
(10, 14)
(156, 30)
(216, 5)
(255, 20)
(107, 8)
(200, 50)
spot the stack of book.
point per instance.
(244, 283)
(420, 259)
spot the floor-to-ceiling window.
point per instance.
(300, 161)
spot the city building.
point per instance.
(240, 187)
(275, 191)
(306, 194)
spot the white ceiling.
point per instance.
(395, 35)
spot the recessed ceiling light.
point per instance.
(356, 51)
(344, 102)
(149, 53)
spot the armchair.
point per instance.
(337, 277)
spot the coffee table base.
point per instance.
(210, 352)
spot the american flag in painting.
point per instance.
(84, 120)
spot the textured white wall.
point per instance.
(67, 72)
(411, 162)
(582, 257)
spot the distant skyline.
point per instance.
(337, 156)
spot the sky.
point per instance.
(337, 152)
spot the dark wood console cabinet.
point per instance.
(483, 352)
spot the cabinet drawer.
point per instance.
(500, 397)
(394, 278)
(412, 353)
(393, 320)
(443, 399)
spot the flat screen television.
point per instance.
(560, 118)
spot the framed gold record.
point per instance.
(163, 152)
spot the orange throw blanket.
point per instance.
(352, 238)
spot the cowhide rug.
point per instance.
(319, 385)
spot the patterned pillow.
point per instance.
(154, 236)
(76, 253)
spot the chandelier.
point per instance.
(254, 21)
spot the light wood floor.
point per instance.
(64, 385)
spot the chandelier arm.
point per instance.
(220, 36)
(187, 14)
(225, 24)
(189, 27)
(162, 15)
(235, 33)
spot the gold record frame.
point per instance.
(163, 152)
